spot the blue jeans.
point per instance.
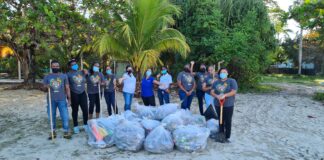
(128, 100)
(163, 96)
(62, 106)
(111, 103)
(200, 95)
(186, 100)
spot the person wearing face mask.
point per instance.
(110, 85)
(77, 81)
(187, 85)
(164, 90)
(201, 77)
(58, 85)
(147, 87)
(207, 85)
(225, 88)
(129, 87)
(94, 79)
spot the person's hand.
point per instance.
(120, 80)
(158, 76)
(85, 71)
(69, 101)
(192, 62)
(188, 93)
(167, 90)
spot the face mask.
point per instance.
(75, 67)
(164, 71)
(108, 71)
(129, 71)
(95, 69)
(203, 69)
(148, 73)
(55, 70)
(223, 75)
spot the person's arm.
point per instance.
(121, 80)
(234, 89)
(115, 84)
(67, 89)
(45, 84)
(193, 88)
(191, 68)
(181, 86)
(204, 87)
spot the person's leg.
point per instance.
(113, 102)
(107, 98)
(151, 100)
(183, 98)
(75, 108)
(228, 114)
(221, 127)
(84, 107)
(130, 101)
(166, 97)
(91, 105)
(62, 106)
(160, 96)
(189, 100)
(146, 101)
(200, 95)
(127, 99)
(97, 101)
(54, 105)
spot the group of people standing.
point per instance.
(77, 86)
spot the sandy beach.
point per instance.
(281, 125)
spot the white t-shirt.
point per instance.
(129, 83)
(166, 80)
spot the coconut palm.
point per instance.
(143, 33)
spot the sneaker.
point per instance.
(76, 130)
(67, 135)
(50, 136)
(227, 141)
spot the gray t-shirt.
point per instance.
(109, 82)
(77, 81)
(93, 82)
(57, 84)
(223, 87)
(201, 77)
(209, 81)
(187, 80)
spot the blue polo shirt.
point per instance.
(147, 87)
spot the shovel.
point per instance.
(220, 136)
(51, 116)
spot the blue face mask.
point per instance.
(95, 69)
(108, 71)
(75, 67)
(148, 73)
(164, 71)
(223, 75)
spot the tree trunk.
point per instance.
(300, 56)
(28, 64)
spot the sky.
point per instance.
(292, 24)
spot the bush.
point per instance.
(319, 96)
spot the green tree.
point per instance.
(143, 34)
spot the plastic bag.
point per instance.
(129, 136)
(131, 116)
(149, 125)
(213, 126)
(159, 141)
(186, 116)
(145, 111)
(165, 110)
(96, 134)
(172, 121)
(109, 126)
(198, 120)
(191, 138)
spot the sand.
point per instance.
(265, 126)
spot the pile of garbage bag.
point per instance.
(157, 129)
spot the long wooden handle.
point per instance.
(50, 108)
(221, 115)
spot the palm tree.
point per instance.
(143, 33)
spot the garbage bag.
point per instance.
(129, 136)
(213, 126)
(149, 125)
(210, 113)
(159, 141)
(109, 125)
(173, 121)
(186, 116)
(191, 138)
(145, 111)
(96, 134)
(165, 110)
(198, 120)
(131, 116)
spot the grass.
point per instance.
(319, 96)
(299, 79)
